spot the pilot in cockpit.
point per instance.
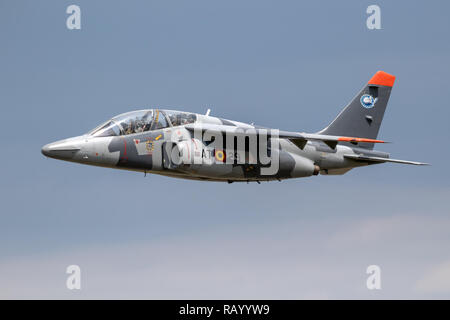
(130, 127)
(139, 126)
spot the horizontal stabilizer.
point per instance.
(380, 160)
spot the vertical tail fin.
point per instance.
(363, 115)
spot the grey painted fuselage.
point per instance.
(202, 147)
(144, 152)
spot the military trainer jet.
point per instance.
(202, 147)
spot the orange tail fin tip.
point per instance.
(382, 78)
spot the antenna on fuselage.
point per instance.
(208, 112)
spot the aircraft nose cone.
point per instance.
(46, 150)
(64, 149)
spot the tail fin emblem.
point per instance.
(367, 101)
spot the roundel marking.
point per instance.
(367, 101)
(220, 155)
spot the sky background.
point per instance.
(284, 64)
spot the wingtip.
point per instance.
(419, 163)
(355, 139)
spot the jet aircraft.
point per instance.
(202, 147)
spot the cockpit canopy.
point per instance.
(141, 121)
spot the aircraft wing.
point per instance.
(298, 138)
(379, 159)
(332, 141)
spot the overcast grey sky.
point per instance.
(285, 64)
